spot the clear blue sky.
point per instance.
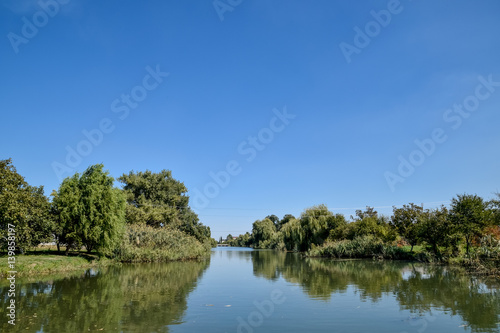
(359, 99)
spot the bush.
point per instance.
(360, 247)
(143, 243)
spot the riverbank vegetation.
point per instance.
(466, 233)
(148, 219)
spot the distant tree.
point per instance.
(470, 216)
(406, 222)
(220, 240)
(90, 211)
(243, 240)
(24, 206)
(229, 237)
(368, 212)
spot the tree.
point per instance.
(274, 219)
(229, 237)
(495, 210)
(406, 222)
(469, 215)
(157, 199)
(316, 221)
(287, 218)
(263, 232)
(435, 228)
(368, 212)
(293, 235)
(90, 211)
(66, 209)
(23, 206)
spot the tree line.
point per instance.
(88, 211)
(468, 222)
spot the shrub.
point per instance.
(359, 247)
(144, 243)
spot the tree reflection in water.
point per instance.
(418, 288)
(127, 298)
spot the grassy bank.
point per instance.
(42, 263)
(140, 244)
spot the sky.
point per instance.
(258, 106)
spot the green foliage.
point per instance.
(436, 229)
(144, 243)
(406, 221)
(275, 220)
(89, 211)
(293, 235)
(368, 223)
(244, 240)
(264, 234)
(157, 199)
(359, 247)
(469, 215)
(494, 205)
(23, 206)
(287, 218)
(316, 223)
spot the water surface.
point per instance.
(240, 290)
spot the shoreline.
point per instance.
(41, 264)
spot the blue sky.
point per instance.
(355, 101)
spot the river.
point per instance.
(241, 290)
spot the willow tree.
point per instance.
(264, 233)
(24, 207)
(316, 223)
(90, 211)
(293, 235)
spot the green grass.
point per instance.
(41, 263)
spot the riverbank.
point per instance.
(49, 263)
(477, 262)
(143, 244)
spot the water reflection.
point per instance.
(417, 288)
(128, 298)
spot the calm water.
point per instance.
(239, 290)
